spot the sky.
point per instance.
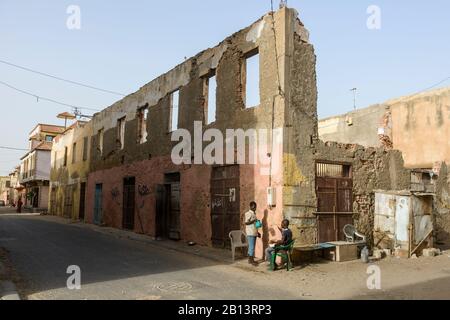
(122, 45)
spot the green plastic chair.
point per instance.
(285, 252)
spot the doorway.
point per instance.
(168, 210)
(225, 207)
(334, 188)
(68, 201)
(82, 201)
(98, 204)
(129, 202)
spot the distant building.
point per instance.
(4, 186)
(417, 125)
(35, 166)
(15, 189)
(69, 171)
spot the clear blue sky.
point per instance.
(124, 44)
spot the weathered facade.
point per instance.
(134, 181)
(15, 189)
(4, 188)
(34, 173)
(418, 126)
(69, 171)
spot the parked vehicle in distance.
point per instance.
(2, 203)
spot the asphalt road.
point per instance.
(41, 251)
(42, 248)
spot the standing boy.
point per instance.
(251, 232)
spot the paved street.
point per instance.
(41, 249)
(113, 268)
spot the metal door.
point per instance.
(225, 206)
(174, 212)
(334, 187)
(129, 202)
(68, 202)
(53, 208)
(161, 211)
(98, 204)
(82, 201)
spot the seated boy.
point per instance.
(286, 238)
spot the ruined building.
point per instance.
(418, 126)
(130, 179)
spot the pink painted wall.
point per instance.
(195, 199)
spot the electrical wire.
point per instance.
(61, 79)
(13, 149)
(44, 98)
(437, 84)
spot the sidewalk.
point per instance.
(8, 290)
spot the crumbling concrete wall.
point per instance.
(373, 168)
(273, 37)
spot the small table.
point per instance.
(346, 251)
(314, 248)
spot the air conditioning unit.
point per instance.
(272, 197)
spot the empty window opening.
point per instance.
(74, 153)
(85, 148)
(142, 124)
(65, 156)
(100, 140)
(251, 80)
(333, 170)
(174, 110)
(210, 99)
(121, 132)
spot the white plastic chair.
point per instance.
(236, 241)
(351, 234)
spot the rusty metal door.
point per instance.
(174, 212)
(82, 201)
(68, 201)
(161, 224)
(98, 204)
(53, 208)
(225, 206)
(129, 202)
(334, 187)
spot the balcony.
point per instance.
(27, 176)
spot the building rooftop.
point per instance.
(50, 128)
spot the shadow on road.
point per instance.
(43, 250)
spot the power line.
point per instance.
(440, 82)
(13, 149)
(44, 98)
(61, 79)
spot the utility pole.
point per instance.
(79, 114)
(354, 97)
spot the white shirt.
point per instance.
(250, 230)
